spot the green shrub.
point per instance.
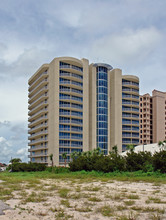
(138, 161)
(27, 167)
(58, 169)
(98, 162)
(159, 161)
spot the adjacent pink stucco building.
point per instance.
(152, 117)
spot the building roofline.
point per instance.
(109, 67)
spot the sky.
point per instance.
(127, 34)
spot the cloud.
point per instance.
(4, 124)
(9, 149)
(124, 33)
(5, 149)
(13, 141)
(127, 47)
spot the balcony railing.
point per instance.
(71, 75)
(41, 111)
(38, 141)
(44, 95)
(38, 85)
(38, 155)
(71, 90)
(70, 82)
(43, 88)
(130, 83)
(36, 148)
(38, 126)
(69, 66)
(76, 122)
(37, 120)
(43, 73)
(39, 105)
(38, 133)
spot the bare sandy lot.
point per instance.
(79, 200)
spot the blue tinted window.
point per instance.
(102, 111)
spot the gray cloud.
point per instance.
(4, 123)
(8, 151)
(13, 141)
(124, 33)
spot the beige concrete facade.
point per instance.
(153, 117)
(130, 111)
(74, 106)
(115, 109)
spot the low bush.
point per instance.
(138, 161)
(159, 161)
(98, 162)
(141, 161)
(58, 169)
(27, 167)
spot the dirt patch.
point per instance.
(59, 199)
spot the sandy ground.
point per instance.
(59, 199)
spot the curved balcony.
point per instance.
(43, 83)
(37, 114)
(71, 100)
(37, 101)
(71, 76)
(34, 110)
(71, 84)
(37, 121)
(37, 148)
(37, 141)
(130, 84)
(127, 142)
(38, 94)
(72, 92)
(40, 77)
(70, 107)
(38, 127)
(71, 68)
(37, 134)
(38, 155)
(127, 135)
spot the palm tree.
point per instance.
(15, 160)
(130, 147)
(115, 149)
(161, 144)
(52, 162)
(74, 154)
(96, 151)
(64, 156)
(84, 153)
(89, 153)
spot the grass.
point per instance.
(91, 188)
(63, 192)
(130, 216)
(34, 197)
(147, 209)
(35, 177)
(121, 207)
(31, 187)
(66, 203)
(105, 210)
(155, 200)
(94, 199)
(83, 209)
(132, 196)
(129, 202)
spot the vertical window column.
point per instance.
(102, 109)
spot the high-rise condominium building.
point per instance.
(74, 106)
(153, 117)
